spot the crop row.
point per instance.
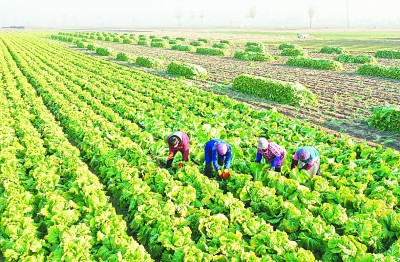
(146, 116)
(152, 105)
(364, 156)
(343, 159)
(72, 122)
(75, 220)
(302, 61)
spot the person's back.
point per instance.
(177, 142)
(210, 144)
(217, 153)
(272, 153)
(309, 160)
(313, 153)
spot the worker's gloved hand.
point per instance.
(180, 165)
(226, 173)
(220, 173)
(170, 156)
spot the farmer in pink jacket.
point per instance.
(272, 152)
(178, 141)
(307, 158)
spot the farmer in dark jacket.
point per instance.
(219, 153)
(178, 141)
(307, 158)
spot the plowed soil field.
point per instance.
(346, 99)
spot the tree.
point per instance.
(311, 14)
(178, 16)
(193, 17)
(253, 12)
(201, 16)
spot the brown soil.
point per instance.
(345, 98)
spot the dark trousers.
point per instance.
(208, 169)
(185, 156)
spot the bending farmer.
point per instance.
(219, 153)
(309, 160)
(177, 141)
(272, 152)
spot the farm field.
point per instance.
(346, 99)
(355, 40)
(82, 146)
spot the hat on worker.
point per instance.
(303, 154)
(263, 143)
(222, 148)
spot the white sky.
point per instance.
(159, 13)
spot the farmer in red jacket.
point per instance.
(272, 152)
(178, 141)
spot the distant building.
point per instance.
(15, 27)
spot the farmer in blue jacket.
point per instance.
(219, 153)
